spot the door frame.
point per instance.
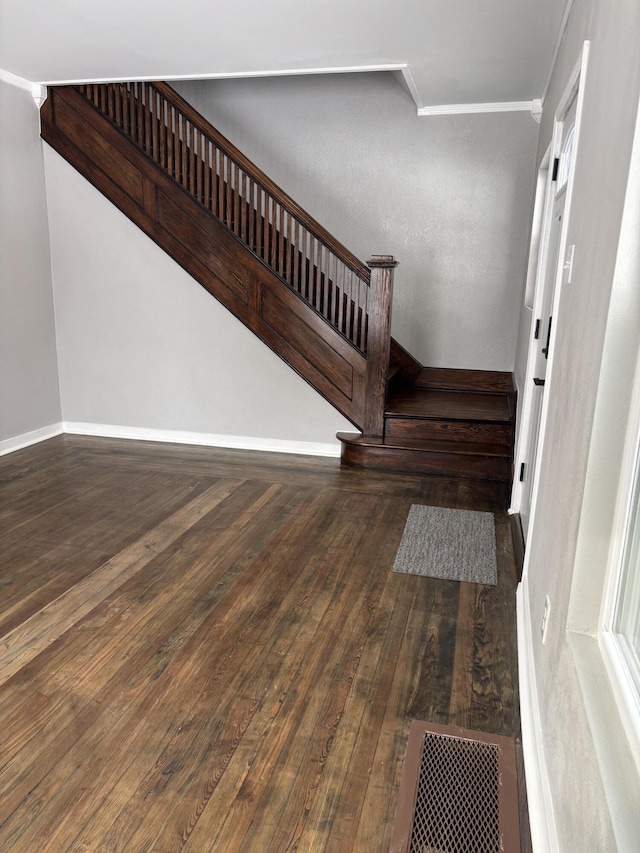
(545, 197)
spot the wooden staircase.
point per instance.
(284, 276)
(452, 422)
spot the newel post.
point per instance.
(378, 342)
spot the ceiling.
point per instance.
(451, 52)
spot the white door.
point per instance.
(552, 271)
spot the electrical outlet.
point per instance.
(545, 619)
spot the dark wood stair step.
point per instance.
(468, 448)
(451, 458)
(456, 379)
(410, 402)
(449, 431)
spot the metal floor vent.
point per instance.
(458, 793)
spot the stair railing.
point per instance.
(317, 267)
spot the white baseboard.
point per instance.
(543, 831)
(236, 442)
(8, 445)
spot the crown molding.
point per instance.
(411, 86)
(469, 109)
(536, 109)
(39, 91)
(237, 75)
(36, 90)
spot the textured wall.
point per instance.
(611, 88)
(141, 344)
(29, 398)
(449, 196)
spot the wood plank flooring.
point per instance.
(206, 650)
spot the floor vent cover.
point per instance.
(458, 793)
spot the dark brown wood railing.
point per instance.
(238, 234)
(271, 224)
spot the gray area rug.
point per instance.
(453, 544)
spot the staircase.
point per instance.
(283, 275)
(454, 422)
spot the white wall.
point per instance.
(142, 346)
(584, 819)
(449, 196)
(29, 398)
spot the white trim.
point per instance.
(464, 109)
(556, 50)
(536, 109)
(575, 85)
(543, 207)
(236, 442)
(36, 90)
(411, 86)
(542, 211)
(617, 768)
(622, 683)
(39, 94)
(237, 75)
(14, 80)
(620, 532)
(9, 445)
(519, 393)
(575, 88)
(540, 801)
(623, 688)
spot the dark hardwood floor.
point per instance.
(206, 650)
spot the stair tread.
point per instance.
(466, 448)
(448, 405)
(456, 379)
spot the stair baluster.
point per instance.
(295, 247)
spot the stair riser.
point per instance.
(487, 381)
(427, 462)
(445, 430)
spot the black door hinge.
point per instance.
(522, 467)
(556, 165)
(536, 334)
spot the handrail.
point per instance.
(261, 178)
(295, 246)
